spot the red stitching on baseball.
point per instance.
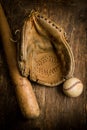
(72, 85)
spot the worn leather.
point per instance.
(45, 56)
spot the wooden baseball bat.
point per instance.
(25, 95)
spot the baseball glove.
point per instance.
(45, 56)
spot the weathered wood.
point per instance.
(57, 110)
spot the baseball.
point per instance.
(73, 87)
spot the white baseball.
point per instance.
(73, 87)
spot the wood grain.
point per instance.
(57, 110)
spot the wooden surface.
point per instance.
(58, 112)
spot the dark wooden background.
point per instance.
(58, 112)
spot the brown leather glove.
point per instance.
(45, 55)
